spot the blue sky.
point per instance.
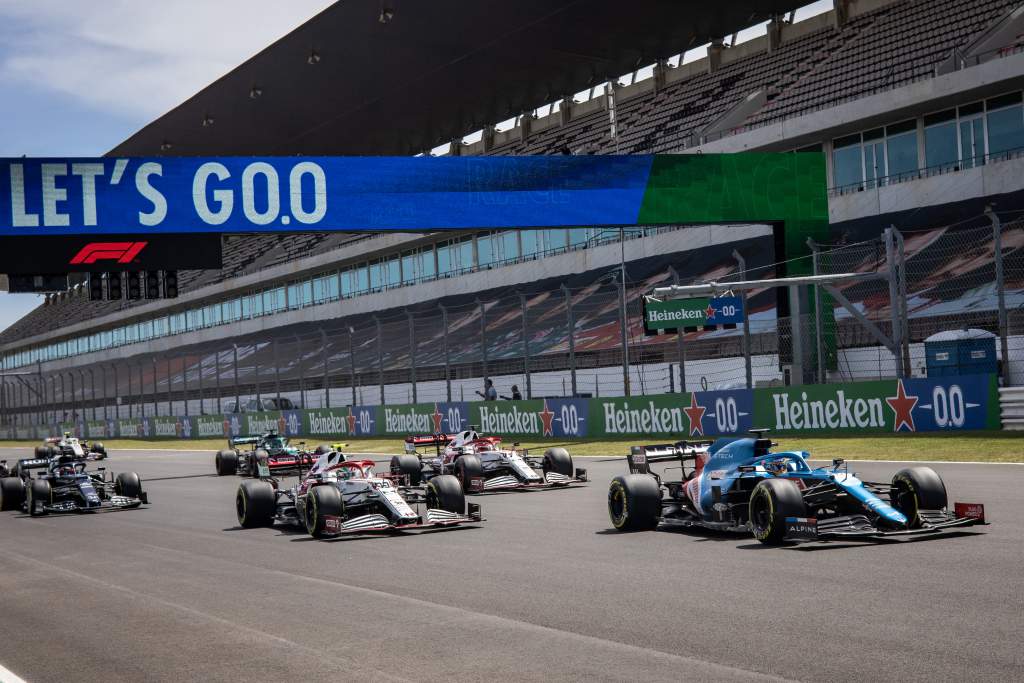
(78, 77)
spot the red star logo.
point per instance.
(438, 417)
(351, 422)
(695, 413)
(545, 417)
(710, 312)
(903, 406)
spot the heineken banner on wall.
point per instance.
(880, 407)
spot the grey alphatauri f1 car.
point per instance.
(63, 484)
(341, 496)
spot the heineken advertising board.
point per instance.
(879, 407)
(677, 313)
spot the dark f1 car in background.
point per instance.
(63, 484)
(741, 485)
(340, 496)
(270, 449)
(70, 445)
(481, 464)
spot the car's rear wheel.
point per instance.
(12, 493)
(255, 503)
(915, 489)
(128, 484)
(40, 493)
(322, 502)
(42, 452)
(409, 466)
(468, 468)
(444, 492)
(634, 502)
(258, 457)
(771, 501)
(559, 461)
(226, 462)
(99, 450)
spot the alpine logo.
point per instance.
(122, 252)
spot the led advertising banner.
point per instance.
(145, 196)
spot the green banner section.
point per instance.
(669, 315)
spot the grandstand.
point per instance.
(916, 104)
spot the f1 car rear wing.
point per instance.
(438, 440)
(33, 464)
(641, 457)
(238, 440)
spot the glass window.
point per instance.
(427, 266)
(486, 251)
(325, 288)
(556, 239)
(510, 244)
(531, 245)
(1005, 129)
(901, 148)
(294, 297)
(940, 140)
(847, 162)
(376, 276)
(578, 237)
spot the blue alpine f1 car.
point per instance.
(741, 485)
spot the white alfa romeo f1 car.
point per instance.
(341, 496)
(482, 465)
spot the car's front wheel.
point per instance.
(634, 502)
(12, 493)
(40, 493)
(444, 492)
(559, 461)
(226, 462)
(322, 502)
(915, 489)
(771, 501)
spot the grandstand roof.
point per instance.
(347, 82)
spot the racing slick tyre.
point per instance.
(99, 450)
(258, 457)
(42, 452)
(321, 502)
(40, 493)
(915, 489)
(771, 501)
(467, 468)
(407, 465)
(323, 448)
(255, 503)
(226, 462)
(12, 493)
(634, 502)
(444, 492)
(128, 484)
(558, 460)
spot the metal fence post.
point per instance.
(74, 398)
(202, 399)
(483, 337)
(170, 398)
(818, 341)
(302, 378)
(352, 363)
(277, 371)
(63, 400)
(117, 392)
(680, 340)
(256, 377)
(380, 358)
(184, 382)
(526, 347)
(904, 317)
(571, 329)
(624, 327)
(326, 356)
(412, 354)
(997, 233)
(748, 369)
(897, 333)
(216, 379)
(238, 394)
(447, 359)
(92, 391)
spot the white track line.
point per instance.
(7, 676)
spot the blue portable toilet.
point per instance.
(960, 352)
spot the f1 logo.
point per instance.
(122, 252)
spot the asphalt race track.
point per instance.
(542, 591)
